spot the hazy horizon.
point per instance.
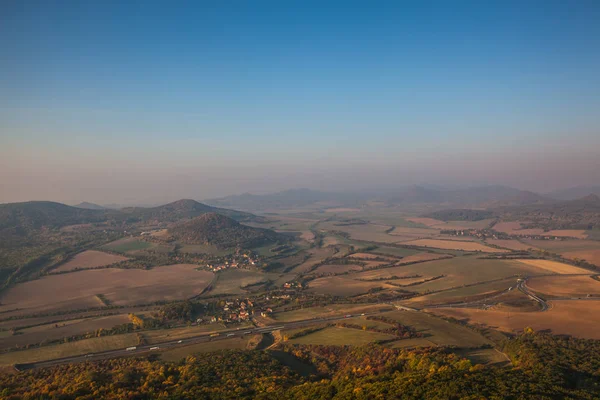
(115, 103)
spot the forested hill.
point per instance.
(545, 367)
(23, 218)
(221, 231)
(182, 209)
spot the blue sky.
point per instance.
(121, 102)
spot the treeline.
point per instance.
(545, 367)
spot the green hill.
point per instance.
(221, 231)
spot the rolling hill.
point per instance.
(24, 218)
(221, 231)
(181, 209)
(89, 206)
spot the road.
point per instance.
(523, 288)
(146, 349)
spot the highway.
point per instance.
(156, 347)
(523, 288)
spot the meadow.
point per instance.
(335, 335)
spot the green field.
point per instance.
(180, 353)
(459, 294)
(330, 310)
(464, 270)
(337, 336)
(394, 251)
(437, 330)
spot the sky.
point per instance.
(148, 102)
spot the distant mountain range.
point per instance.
(287, 199)
(221, 231)
(574, 192)
(476, 197)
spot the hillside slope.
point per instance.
(221, 231)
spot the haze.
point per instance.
(146, 103)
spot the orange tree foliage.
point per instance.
(546, 367)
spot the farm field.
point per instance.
(127, 245)
(437, 330)
(588, 250)
(80, 347)
(454, 245)
(515, 228)
(511, 244)
(317, 255)
(556, 267)
(327, 311)
(231, 281)
(569, 317)
(565, 286)
(21, 320)
(415, 233)
(336, 335)
(59, 330)
(79, 290)
(393, 251)
(342, 286)
(420, 257)
(363, 232)
(370, 256)
(90, 259)
(337, 268)
(457, 271)
(438, 224)
(459, 295)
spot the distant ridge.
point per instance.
(89, 206)
(574, 193)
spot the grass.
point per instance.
(80, 347)
(484, 356)
(336, 336)
(327, 311)
(437, 330)
(179, 353)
